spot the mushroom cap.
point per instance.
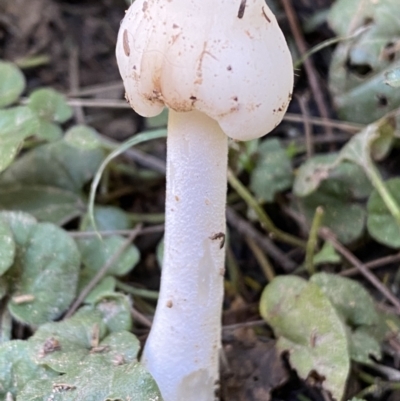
(225, 58)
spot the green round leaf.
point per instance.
(64, 345)
(16, 124)
(96, 381)
(12, 83)
(107, 218)
(380, 223)
(48, 131)
(83, 137)
(339, 210)
(17, 368)
(102, 289)
(273, 171)
(54, 164)
(351, 300)
(47, 262)
(362, 346)
(359, 66)
(7, 247)
(46, 203)
(97, 252)
(50, 105)
(116, 311)
(308, 326)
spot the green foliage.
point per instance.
(322, 181)
(82, 358)
(381, 225)
(12, 83)
(290, 304)
(47, 181)
(359, 68)
(272, 172)
(16, 124)
(7, 247)
(345, 328)
(46, 262)
(49, 105)
(18, 368)
(82, 137)
(327, 254)
(393, 78)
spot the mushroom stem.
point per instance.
(182, 350)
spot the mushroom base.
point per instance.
(182, 351)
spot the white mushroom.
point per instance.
(222, 68)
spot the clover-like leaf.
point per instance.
(380, 223)
(312, 173)
(94, 365)
(12, 83)
(359, 66)
(103, 288)
(350, 299)
(16, 124)
(63, 345)
(356, 307)
(82, 137)
(17, 368)
(47, 181)
(273, 171)
(46, 262)
(107, 218)
(290, 305)
(7, 247)
(46, 203)
(327, 254)
(363, 345)
(97, 252)
(48, 131)
(98, 382)
(50, 105)
(54, 164)
(339, 208)
(116, 311)
(373, 142)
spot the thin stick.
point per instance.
(246, 229)
(313, 240)
(265, 220)
(141, 318)
(327, 235)
(262, 259)
(372, 265)
(138, 292)
(96, 89)
(245, 324)
(101, 273)
(342, 125)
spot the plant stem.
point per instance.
(138, 292)
(150, 218)
(313, 239)
(386, 196)
(265, 220)
(182, 350)
(262, 259)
